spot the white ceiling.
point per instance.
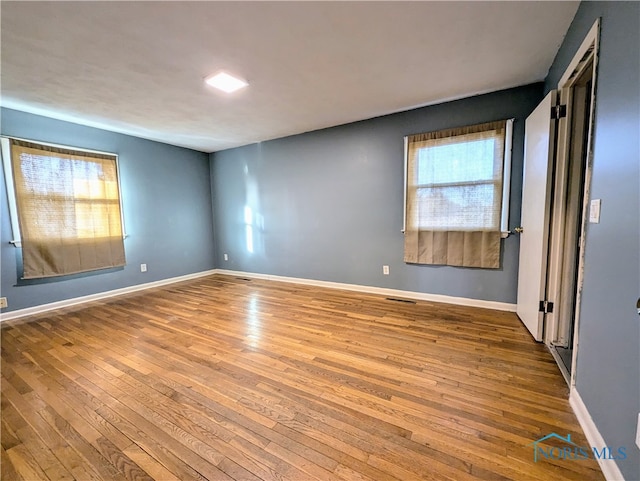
(138, 67)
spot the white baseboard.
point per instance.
(421, 296)
(461, 301)
(608, 466)
(100, 295)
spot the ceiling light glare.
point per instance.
(225, 82)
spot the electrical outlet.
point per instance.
(638, 432)
(385, 270)
(143, 267)
(3, 302)
(226, 257)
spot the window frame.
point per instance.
(5, 149)
(506, 179)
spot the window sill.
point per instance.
(503, 235)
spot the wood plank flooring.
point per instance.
(223, 378)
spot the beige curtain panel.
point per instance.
(68, 206)
(454, 196)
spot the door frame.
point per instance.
(585, 57)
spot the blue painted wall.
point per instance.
(328, 205)
(608, 367)
(166, 197)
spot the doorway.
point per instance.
(568, 210)
(555, 205)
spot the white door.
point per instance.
(536, 189)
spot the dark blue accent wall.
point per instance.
(166, 197)
(328, 205)
(608, 366)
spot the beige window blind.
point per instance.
(68, 205)
(454, 196)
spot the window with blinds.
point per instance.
(454, 196)
(68, 209)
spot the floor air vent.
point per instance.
(395, 299)
(243, 279)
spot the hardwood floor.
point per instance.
(224, 378)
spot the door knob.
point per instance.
(518, 230)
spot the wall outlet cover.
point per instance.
(3, 302)
(143, 267)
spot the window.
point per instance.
(66, 214)
(456, 181)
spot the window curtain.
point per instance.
(454, 196)
(68, 206)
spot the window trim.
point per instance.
(506, 180)
(5, 149)
(11, 192)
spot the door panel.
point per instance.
(536, 198)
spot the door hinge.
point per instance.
(558, 111)
(546, 307)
